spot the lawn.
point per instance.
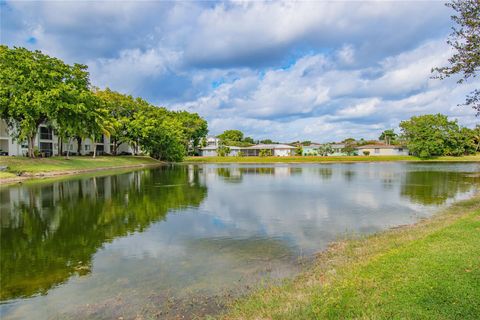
(323, 159)
(430, 270)
(56, 164)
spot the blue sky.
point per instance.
(318, 71)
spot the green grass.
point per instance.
(323, 159)
(5, 175)
(29, 166)
(430, 270)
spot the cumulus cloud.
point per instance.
(284, 70)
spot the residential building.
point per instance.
(48, 143)
(382, 150)
(278, 150)
(311, 150)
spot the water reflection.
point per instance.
(435, 187)
(50, 232)
(128, 244)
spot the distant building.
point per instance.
(382, 150)
(278, 150)
(311, 150)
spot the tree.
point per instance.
(265, 153)
(299, 150)
(194, 129)
(231, 135)
(160, 134)
(267, 141)
(35, 88)
(249, 140)
(388, 136)
(350, 146)
(465, 40)
(434, 135)
(121, 109)
(325, 150)
(223, 151)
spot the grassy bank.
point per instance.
(323, 159)
(59, 165)
(430, 270)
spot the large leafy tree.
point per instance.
(194, 127)
(35, 88)
(231, 135)
(121, 109)
(465, 40)
(434, 135)
(160, 134)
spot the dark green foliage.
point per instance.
(231, 135)
(434, 135)
(36, 89)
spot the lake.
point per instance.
(181, 240)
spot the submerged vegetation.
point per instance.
(426, 271)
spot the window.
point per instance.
(87, 147)
(400, 149)
(71, 147)
(45, 133)
(377, 150)
(46, 148)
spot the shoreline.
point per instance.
(40, 175)
(329, 159)
(324, 288)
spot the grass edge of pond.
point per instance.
(20, 169)
(342, 282)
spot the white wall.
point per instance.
(384, 152)
(282, 152)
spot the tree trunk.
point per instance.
(60, 146)
(94, 147)
(31, 146)
(68, 148)
(79, 146)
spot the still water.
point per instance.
(180, 240)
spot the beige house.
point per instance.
(382, 150)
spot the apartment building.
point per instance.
(49, 144)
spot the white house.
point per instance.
(278, 150)
(382, 150)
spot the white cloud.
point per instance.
(284, 70)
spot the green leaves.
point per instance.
(434, 135)
(36, 88)
(465, 40)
